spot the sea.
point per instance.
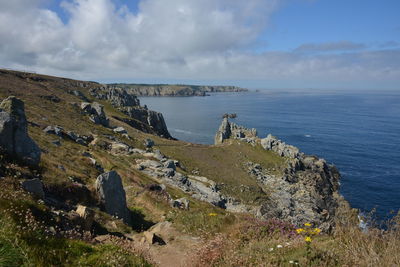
(358, 131)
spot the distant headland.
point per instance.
(174, 89)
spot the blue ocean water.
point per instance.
(357, 131)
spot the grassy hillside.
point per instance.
(34, 233)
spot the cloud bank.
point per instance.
(180, 40)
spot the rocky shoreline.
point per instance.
(308, 190)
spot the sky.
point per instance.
(265, 44)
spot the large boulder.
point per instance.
(14, 138)
(112, 195)
(34, 186)
(96, 113)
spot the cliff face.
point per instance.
(143, 119)
(307, 189)
(174, 90)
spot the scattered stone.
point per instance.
(14, 138)
(120, 130)
(157, 187)
(87, 215)
(96, 113)
(51, 98)
(112, 195)
(79, 94)
(148, 143)
(56, 142)
(170, 164)
(120, 148)
(34, 186)
(57, 130)
(182, 203)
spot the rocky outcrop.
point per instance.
(79, 94)
(69, 135)
(153, 119)
(14, 138)
(118, 97)
(173, 90)
(199, 187)
(302, 194)
(96, 113)
(112, 195)
(232, 130)
(284, 150)
(142, 119)
(307, 189)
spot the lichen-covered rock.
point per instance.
(96, 113)
(14, 138)
(112, 195)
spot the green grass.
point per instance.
(225, 164)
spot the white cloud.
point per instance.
(174, 39)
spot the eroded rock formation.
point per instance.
(229, 129)
(14, 138)
(112, 195)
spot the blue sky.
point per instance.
(256, 43)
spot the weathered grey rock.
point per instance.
(148, 143)
(170, 164)
(120, 130)
(117, 96)
(181, 203)
(14, 138)
(57, 130)
(154, 120)
(118, 148)
(96, 113)
(284, 150)
(231, 130)
(112, 195)
(34, 186)
(78, 94)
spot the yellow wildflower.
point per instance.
(317, 231)
(307, 239)
(300, 230)
(307, 224)
(212, 214)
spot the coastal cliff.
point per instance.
(89, 177)
(174, 90)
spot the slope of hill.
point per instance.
(113, 189)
